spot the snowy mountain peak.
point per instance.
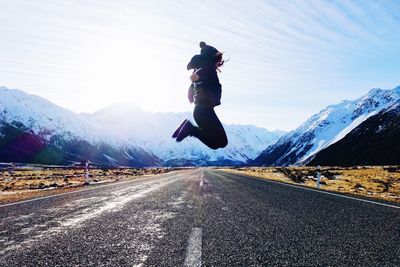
(333, 123)
(376, 99)
(328, 126)
(45, 118)
(383, 95)
(127, 107)
(34, 129)
(121, 134)
(153, 132)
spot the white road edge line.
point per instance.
(77, 191)
(193, 250)
(324, 192)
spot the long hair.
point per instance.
(219, 60)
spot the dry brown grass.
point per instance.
(376, 182)
(22, 184)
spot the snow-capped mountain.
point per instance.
(153, 131)
(376, 141)
(45, 118)
(326, 128)
(34, 129)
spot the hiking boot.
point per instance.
(175, 134)
(185, 131)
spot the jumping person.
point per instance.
(205, 93)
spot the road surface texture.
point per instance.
(200, 217)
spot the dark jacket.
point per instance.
(207, 90)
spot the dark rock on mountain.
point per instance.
(325, 128)
(376, 141)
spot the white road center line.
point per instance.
(193, 250)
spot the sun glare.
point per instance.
(123, 71)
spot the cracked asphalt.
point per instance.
(200, 217)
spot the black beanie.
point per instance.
(207, 50)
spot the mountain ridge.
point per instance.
(153, 131)
(325, 128)
(376, 141)
(72, 137)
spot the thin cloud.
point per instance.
(313, 52)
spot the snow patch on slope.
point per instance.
(47, 119)
(336, 121)
(350, 127)
(153, 131)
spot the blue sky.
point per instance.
(288, 59)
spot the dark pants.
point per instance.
(210, 130)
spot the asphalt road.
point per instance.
(200, 217)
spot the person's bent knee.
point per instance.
(224, 144)
(223, 141)
(214, 146)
